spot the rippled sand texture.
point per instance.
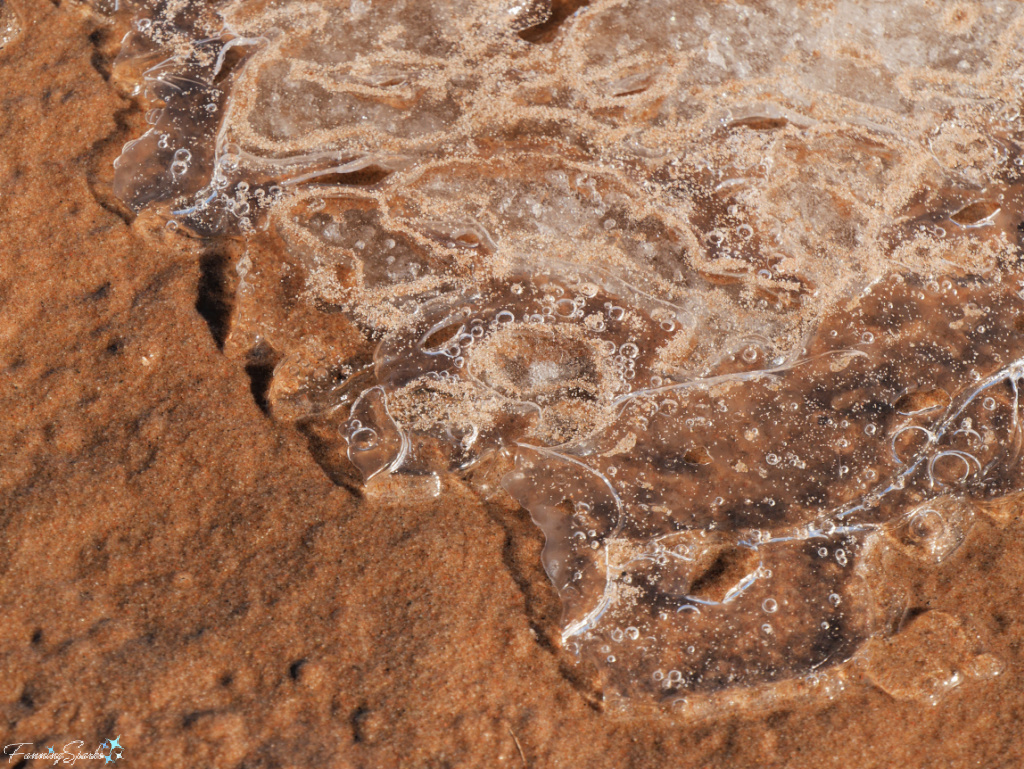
(736, 285)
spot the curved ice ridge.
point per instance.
(734, 285)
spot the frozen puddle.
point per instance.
(735, 286)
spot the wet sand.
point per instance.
(179, 571)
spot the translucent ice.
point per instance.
(735, 286)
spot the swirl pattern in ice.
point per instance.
(737, 284)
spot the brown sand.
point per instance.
(177, 570)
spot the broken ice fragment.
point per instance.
(737, 286)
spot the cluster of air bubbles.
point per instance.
(182, 159)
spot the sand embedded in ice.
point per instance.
(736, 284)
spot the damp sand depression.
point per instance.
(727, 295)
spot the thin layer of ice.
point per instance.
(736, 284)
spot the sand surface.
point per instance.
(177, 569)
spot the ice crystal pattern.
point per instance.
(735, 284)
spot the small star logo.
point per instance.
(115, 747)
(51, 750)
